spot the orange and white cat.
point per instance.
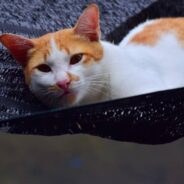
(73, 66)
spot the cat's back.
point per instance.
(154, 55)
(151, 32)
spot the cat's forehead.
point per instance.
(68, 42)
(55, 52)
(64, 40)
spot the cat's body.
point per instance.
(141, 65)
(73, 66)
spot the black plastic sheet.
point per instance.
(152, 119)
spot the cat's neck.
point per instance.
(111, 51)
(110, 64)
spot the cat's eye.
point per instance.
(76, 59)
(44, 68)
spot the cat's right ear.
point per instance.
(18, 46)
(88, 24)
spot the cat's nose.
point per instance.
(64, 84)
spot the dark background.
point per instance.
(88, 160)
(80, 158)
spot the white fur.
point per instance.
(125, 70)
(86, 90)
(138, 69)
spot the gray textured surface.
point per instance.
(15, 98)
(48, 15)
(51, 15)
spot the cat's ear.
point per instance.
(88, 24)
(18, 46)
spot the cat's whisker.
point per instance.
(77, 86)
(90, 79)
(91, 82)
(105, 85)
(52, 90)
(97, 83)
(98, 91)
(99, 74)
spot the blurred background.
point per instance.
(80, 158)
(85, 159)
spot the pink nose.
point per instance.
(64, 84)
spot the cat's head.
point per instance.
(62, 68)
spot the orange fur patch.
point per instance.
(152, 33)
(66, 40)
(73, 77)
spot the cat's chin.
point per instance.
(64, 101)
(71, 99)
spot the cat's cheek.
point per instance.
(43, 79)
(71, 99)
(81, 95)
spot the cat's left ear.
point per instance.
(18, 46)
(88, 24)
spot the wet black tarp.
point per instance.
(153, 118)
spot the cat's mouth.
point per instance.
(69, 96)
(67, 93)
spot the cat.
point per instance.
(74, 67)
